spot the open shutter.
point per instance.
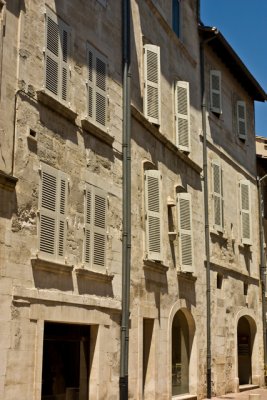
(241, 119)
(245, 212)
(152, 83)
(91, 81)
(88, 227)
(215, 91)
(182, 108)
(65, 50)
(185, 231)
(61, 214)
(217, 196)
(52, 53)
(153, 214)
(99, 238)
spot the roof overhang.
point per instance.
(217, 42)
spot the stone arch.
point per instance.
(180, 308)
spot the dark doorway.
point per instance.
(244, 351)
(65, 362)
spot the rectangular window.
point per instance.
(153, 214)
(182, 115)
(95, 227)
(245, 212)
(57, 52)
(215, 92)
(185, 231)
(241, 119)
(176, 23)
(53, 205)
(97, 86)
(217, 195)
(152, 83)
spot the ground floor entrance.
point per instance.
(244, 346)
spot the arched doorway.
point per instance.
(180, 354)
(244, 349)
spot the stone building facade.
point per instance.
(61, 204)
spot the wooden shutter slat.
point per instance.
(152, 83)
(241, 119)
(99, 244)
(217, 196)
(62, 204)
(185, 231)
(215, 91)
(245, 212)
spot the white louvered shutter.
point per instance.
(241, 119)
(88, 227)
(99, 238)
(61, 213)
(153, 214)
(97, 86)
(52, 53)
(245, 212)
(215, 91)
(152, 83)
(185, 231)
(182, 110)
(217, 196)
(56, 56)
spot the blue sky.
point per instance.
(244, 25)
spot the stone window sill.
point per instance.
(7, 182)
(51, 265)
(55, 105)
(186, 275)
(94, 275)
(155, 266)
(98, 132)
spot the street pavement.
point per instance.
(244, 395)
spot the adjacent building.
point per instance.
(61, 204)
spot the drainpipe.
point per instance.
(206, 205)
(126, 201)
(262, 273)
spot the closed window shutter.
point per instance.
(217, 196)
(56, 56)
(53, 205)
(152, 83)
(185, 231)
(99, 240)
(215, 91)
(97, 86)
(182, 107)
(95, 228)
(241, 119)
(153, 214)
(245, 212)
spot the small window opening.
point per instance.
(245, 289)
(219, 280)
(32, 133)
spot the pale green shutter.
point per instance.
(245, 211)
(182, 111)
(152, 83)
(185, 231)
(241, 119)
(217, 196)
(97, 86)
(153, 214)
(215, 91)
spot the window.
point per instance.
(219, 280)
(153, 214)
(182, 115)
(245, 212)
(95, 227)
(152, 83)
(241, 119)
(176, 22)
(215, 92)
(57, 56)
(217, 195)
(185, 231)
(97, 86)
(53, 205)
